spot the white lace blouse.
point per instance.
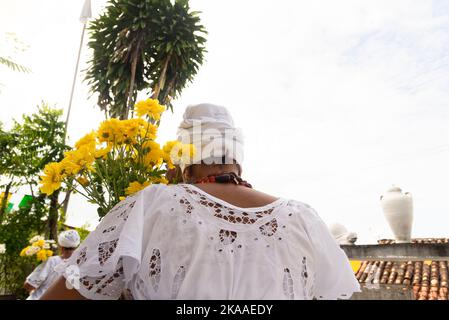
(43, 277)
(179, 242)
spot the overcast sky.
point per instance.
(338, 100)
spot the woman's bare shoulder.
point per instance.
(239, 196)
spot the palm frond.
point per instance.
(14, 66)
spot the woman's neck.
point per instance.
(66, 254)
(197, 177)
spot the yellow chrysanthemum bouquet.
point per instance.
(119, 159)
(40, 248)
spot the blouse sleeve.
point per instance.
(109, 257)
(38, 276)
(334, 276)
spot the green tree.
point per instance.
(152, 45)
(16, 229)
(7, 162)
(24, 152)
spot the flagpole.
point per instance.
(74, 81)
(86, 14)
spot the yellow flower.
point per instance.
(153, 158)
(23, 252)
(69, 167)
(51, 179)
(168, 146)
(149, 107)
(32, 250)
(152, 153)
(162, 180)
(2, 195)
(136, 186)
(39, 243)
(176, 152)
(88, 139)
(131, 129)
(111, 131)
(121, 198)
(49, 253)
(102, 153)
(167, 149)
(41, 255)
(148, 131)
(82, 181)
(170, 164)
(75, 160)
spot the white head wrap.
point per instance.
(69, 239)
(210, 128)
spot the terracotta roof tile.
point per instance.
(427, 279)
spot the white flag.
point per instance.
(86, 13)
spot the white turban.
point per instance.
(69, 239)
(210, 128)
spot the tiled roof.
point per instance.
(428, 279)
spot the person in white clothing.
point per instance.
(44, 275)
(211, 237)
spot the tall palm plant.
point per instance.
(152, 45)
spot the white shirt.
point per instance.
(43, 277)
(179, 242)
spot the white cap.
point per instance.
(337, 229)
(210, 128)
(69, 239)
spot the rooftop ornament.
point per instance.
(342, 235)
(398, 210)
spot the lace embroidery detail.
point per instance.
(304, 276)
(100, 284)
(155, 269)
(269, 228)
(140, 286)
(105, 250)
(177, 281)
(108, 283)
(186, 203)
(226, 213)
(125, 203)
(232, 217)
(88, 284)
(110, 229)
(288, 284)
(125, 213)
(82, 256)
(118, 207)
(227, 237)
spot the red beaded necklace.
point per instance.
(230, 177)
